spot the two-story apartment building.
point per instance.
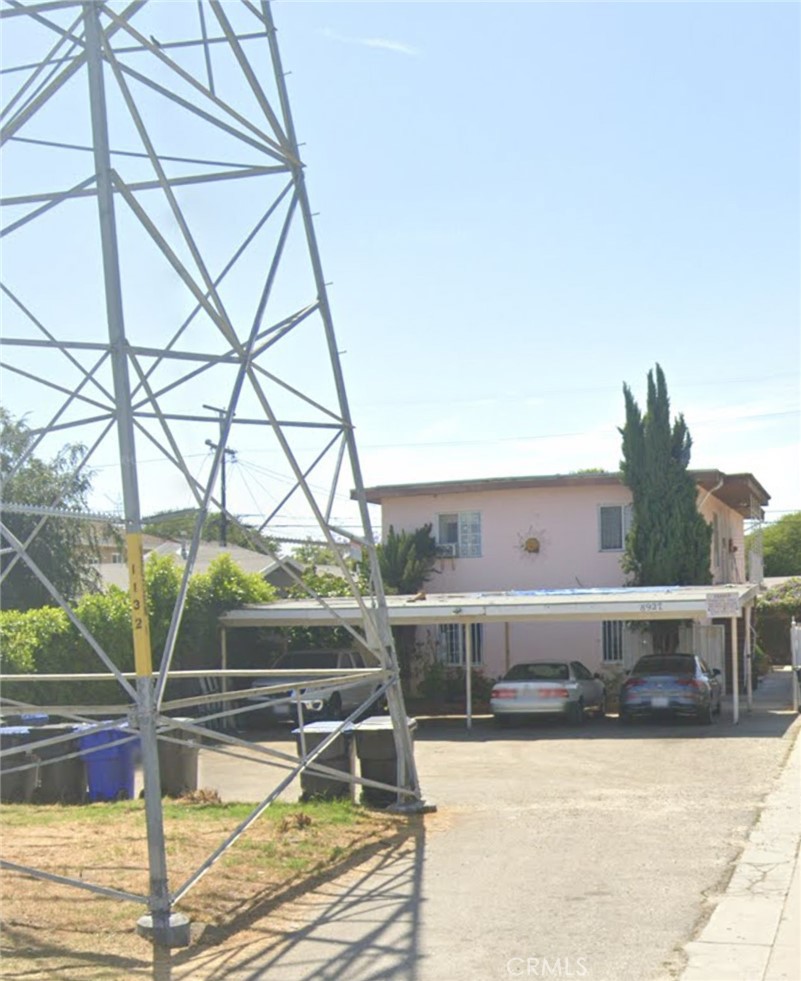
(551, 532)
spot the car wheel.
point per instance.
(333, 707)
(624, 718)
(705, 714)
(575, 714)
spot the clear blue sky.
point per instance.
(524, 205)
(521, 207)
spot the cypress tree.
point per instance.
(669, 540)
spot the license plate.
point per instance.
(659, 702)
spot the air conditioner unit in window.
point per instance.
(448, 549)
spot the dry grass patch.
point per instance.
(51, 930)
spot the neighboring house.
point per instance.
(113, 568)
(553, 532)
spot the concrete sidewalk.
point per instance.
(754, 932)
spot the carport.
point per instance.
(700, 603)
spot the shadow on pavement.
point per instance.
(359, 921)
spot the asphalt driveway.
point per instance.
(592, 853)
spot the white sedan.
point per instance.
(565, 688)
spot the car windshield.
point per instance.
(306, 660)
(668, 664)
(551, 671)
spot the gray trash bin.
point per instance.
(61, 781)
(375, 747)
(17, 787)
(338, 755)
(178, 762)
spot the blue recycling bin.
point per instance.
(109, 768)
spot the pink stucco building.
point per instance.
(554, 532)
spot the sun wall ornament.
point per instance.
(530, 543)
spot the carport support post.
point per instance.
(749, 664)
(468, 674)
(735, 673)
(224, 658)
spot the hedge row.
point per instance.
(48, 641)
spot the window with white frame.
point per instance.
(452, 643)
(461, 532)
(612, 640)
(614, 521)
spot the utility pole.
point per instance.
(226, 453)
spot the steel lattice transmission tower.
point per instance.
(159, 254)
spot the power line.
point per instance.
(527, 438)
(583, 389)
(454, 442)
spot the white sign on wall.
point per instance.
(722, 605)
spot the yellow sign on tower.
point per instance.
(143, 658)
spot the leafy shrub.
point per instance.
(774, 611)
(45, 641)
(781, 545)
(26, 638)
(762, 661)
(225, 586)
(445, 683)
(320, 584)
(782, 599)
(162, 583)
(613, 678)
(40, 640)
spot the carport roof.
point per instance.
(613, 603)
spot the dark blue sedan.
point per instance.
(671, 684)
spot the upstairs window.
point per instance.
(613, 525)
(460, 532)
